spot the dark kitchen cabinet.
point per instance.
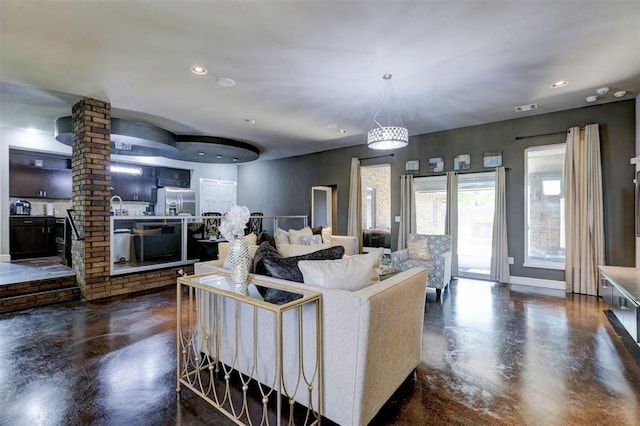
(32, 237)
(179, 178)
(36, 182)
(134, 188)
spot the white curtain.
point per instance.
(499, 244)
(354, 222)
(451, 223)
(407, 210)
(584, 227)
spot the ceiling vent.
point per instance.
(523, 108)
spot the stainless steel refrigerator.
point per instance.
(176, 201)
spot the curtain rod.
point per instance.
(460, 172)
(379, 156)
(543, 134)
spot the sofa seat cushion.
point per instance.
(352, 274)
(286, 268)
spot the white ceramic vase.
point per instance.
(239, 262)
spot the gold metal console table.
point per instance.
(246, 353)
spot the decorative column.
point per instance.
(91, 128)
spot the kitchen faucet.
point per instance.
(116, 197)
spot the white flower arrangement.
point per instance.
(234, 222)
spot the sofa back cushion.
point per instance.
(351, 274)
(286, 268)
(289, 250)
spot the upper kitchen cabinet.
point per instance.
(35, 175)
(179, 178)
(133, 183)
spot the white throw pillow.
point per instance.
(288, 250)
(326, 235)
(294, 235)
(281, 237)
(351, 274)
(309, 240)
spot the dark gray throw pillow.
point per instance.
(264, 250)
(286, 268)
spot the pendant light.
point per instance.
(387, 137)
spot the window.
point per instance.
(376, 206)
(431, 204)
(544, 207)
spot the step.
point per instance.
(36, 286)
(41, 298)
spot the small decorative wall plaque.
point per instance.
(462, 162)
(412, 166)
(492, 159)
(436, 164)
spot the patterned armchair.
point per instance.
(439, 267)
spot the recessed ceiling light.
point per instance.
(250, 121)
(235, 159)
(332, 126)
(201, 153)
(218, 156)
(560, 83)
(620, 93)
(225, 82)
(591, 99)
(198, 70)
(342, 131)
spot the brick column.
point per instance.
(91, 128)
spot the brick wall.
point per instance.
(91, 157)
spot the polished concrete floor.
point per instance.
(491, 355)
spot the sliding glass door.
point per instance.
(476, 194)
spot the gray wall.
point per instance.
(282, 187)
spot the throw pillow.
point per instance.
(326, 235)
(294, 235)
(266, 236)
(286, 268)
(308, 240)
(419, 249)
(264, 250)
(281, 237)
(288, 250)
(353, 273)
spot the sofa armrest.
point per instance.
(349, 243)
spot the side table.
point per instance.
(238, 351)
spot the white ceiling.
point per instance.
(302, 64)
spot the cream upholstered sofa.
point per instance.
(372, 340)
(439, 264)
